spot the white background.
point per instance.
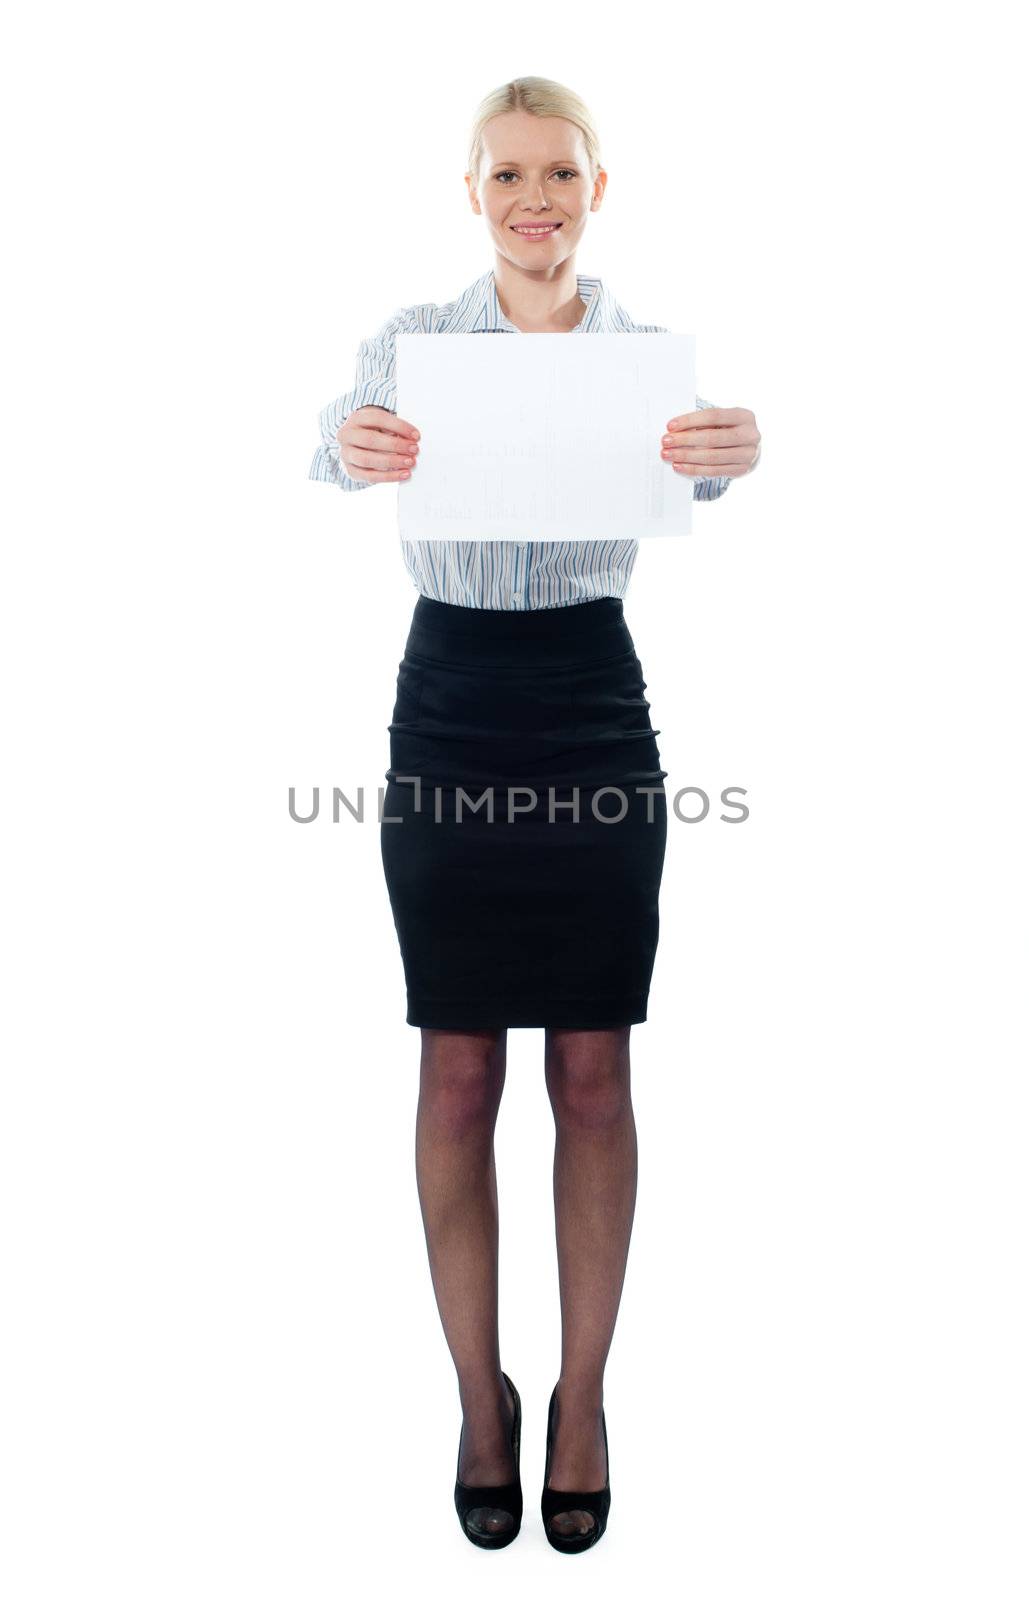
(223, 1368)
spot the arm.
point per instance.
(375, 385)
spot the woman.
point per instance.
(520, 678)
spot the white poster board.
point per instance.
(544, 435)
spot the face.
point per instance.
(534, 171)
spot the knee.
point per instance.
(588, 1077)
(462, 1077)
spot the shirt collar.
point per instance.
(478, 309)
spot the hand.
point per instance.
(715, 442)
(377, 447)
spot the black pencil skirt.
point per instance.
(524, 818)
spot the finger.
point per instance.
(383, 440)
(688, 470)
(699, 437)
(728, 456)
(377, 460)
(715, 416)
(379, 418)
(379, 477)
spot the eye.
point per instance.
(499, 176)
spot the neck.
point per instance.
(539, 301)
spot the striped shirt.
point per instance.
(496, 574)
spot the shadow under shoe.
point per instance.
(573, 1519)
(491, 1514)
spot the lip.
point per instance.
(519, 227)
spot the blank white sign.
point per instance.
(546, 436)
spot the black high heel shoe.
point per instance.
(552, 1501)
(491, 1514)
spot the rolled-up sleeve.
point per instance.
(375, 384)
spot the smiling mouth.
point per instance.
(533, 232)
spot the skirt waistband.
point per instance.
(592, 630)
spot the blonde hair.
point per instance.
(542, 97)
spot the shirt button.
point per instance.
(521, 544)
(516, 599)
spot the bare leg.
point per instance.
(595, 1171)
(462, 1081)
